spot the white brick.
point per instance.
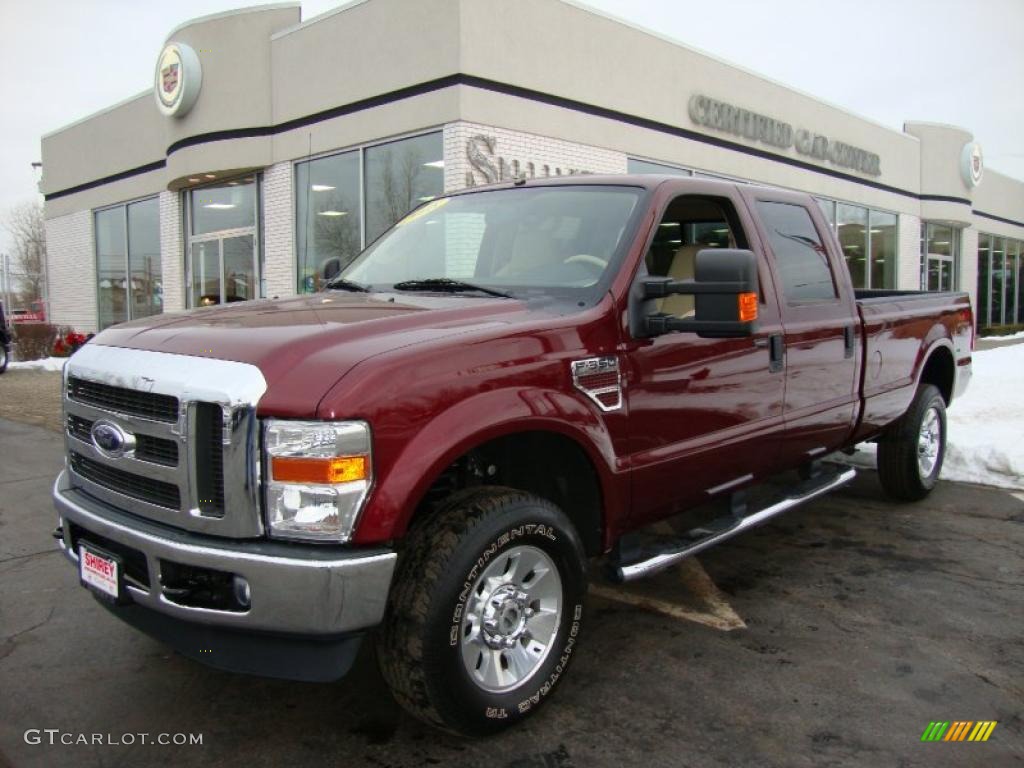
(172, 252)
(908, 271)
(71, 271)
(279, 230)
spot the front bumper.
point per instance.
(308, 593)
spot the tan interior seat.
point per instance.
(683, 267)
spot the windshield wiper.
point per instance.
(341, 284)
(447, 284)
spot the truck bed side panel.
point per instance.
(901, 331)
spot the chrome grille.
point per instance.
(130, 484)
(192, 439)
(149, 448)
(148, 405)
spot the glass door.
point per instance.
(223, 270)
(223, 262)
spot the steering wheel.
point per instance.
(598, 265)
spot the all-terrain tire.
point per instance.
(909, 461)
(452, 564)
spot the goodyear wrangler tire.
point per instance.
(911, 451)
(485, 611)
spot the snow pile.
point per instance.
(46, 364)
(986, 425)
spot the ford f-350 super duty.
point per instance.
(509, 384)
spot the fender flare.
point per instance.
(475, 421)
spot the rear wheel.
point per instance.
(911, 452)
(485, 611)
(3, 358)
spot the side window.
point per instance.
(691, 224)
(800, 254)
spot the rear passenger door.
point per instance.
(819, 321)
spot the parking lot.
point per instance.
(830, 637)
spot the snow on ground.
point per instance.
(986, 426)
(985, 440)
(46, 364)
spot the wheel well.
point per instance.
(545, 464)
(939, 370)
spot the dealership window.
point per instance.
(852, 228)
(1000, 280)
(882, 239)
(940, 246)
(647, 167)
(328, 204)
(337, 216)
(828, 208)
(128, 268)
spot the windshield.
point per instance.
(560, 240)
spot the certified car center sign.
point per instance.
(179, 76)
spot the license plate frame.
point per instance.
(96, 577)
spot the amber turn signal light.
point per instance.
(748, 307)
(320, 471)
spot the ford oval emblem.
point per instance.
(111, 440)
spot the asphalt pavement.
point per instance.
(841, 630)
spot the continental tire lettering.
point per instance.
(574, 629)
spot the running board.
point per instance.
(667, 552)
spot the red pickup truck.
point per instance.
(508, 385)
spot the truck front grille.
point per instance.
(192, 421)
(148, 448)
(147, 405)
(128, 483)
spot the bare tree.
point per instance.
(27, 229)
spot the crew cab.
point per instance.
(510, 385)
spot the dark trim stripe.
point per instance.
(945, 199)
(1003, 219)
(154, 166)
(516, 91)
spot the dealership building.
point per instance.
(270, 150)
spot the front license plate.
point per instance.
(99, 572)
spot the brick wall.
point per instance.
(71, 271)
(279, 230)
(510, 152)
(172, 251)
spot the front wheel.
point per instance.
(485, 611)
(911, 451)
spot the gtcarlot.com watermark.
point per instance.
(57, 737)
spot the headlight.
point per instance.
(318, 477)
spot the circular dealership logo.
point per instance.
(179, 76)
(111, 440)
(972, 164)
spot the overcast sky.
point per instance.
(959, 62)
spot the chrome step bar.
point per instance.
(668, 552)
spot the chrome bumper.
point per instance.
(295, 590)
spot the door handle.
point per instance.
(848, 341)
(776, 352)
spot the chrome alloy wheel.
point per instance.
(512, 618)
(929, 440)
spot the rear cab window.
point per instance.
(801, 256)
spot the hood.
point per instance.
(304, 345)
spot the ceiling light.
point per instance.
(669, 224)
(321, 187)
(193, 181)
(435, 164)
(219, 206)
(425, 198)
(211, 175)
(946, 242)
(332, 213)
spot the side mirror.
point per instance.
(725, 291)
